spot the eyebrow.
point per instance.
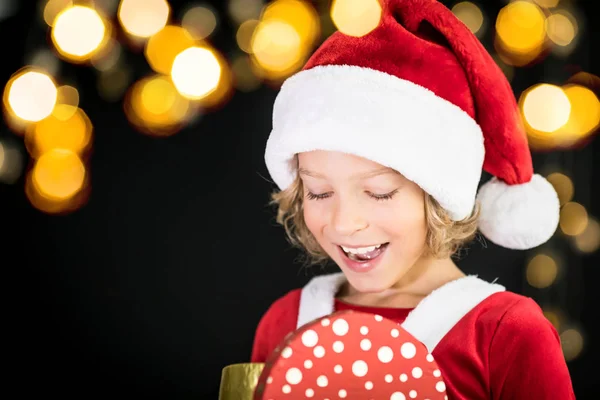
(369, 174)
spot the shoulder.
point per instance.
(285, 308)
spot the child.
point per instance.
(378, 146)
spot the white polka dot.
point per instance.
(342, 393)
(364, 330)
(322, 381)
(395, 332)
(437, 373)
(309, 393)
(338, 369)
(338, 347)
(293, 376)
(319, 351)
(440, 386)
(397, 396)
(359, 368)
(417, 372)
(378, 318)
(286, 389)
(286, 353)
(310, 338)
(325, 322)
(403, 377)
(368, 385)
(365, 344)
(308, 364)
(388, 378)
(408, 350)
(412, 394)
(385, 354)
(270, 379)
(340, 327)
(429, 357)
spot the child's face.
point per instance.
(347, 214)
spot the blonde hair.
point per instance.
(445, 237)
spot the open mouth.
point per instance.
(364, 254)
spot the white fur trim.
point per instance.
(429, 322)
(391, 121)
(519, 217)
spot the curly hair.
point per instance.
(445, 237)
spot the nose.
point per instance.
(348, 217)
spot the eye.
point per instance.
(381, 197)
(312, 196)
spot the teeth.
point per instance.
(360, 250)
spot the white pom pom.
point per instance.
(521, 216)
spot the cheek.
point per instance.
(408, 224)
(313, 218)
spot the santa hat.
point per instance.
(421, 95)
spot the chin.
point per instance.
(368, 284)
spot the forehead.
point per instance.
(322, 161)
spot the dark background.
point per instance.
(158, 282)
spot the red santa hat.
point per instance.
(421, 95)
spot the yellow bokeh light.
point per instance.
(67, 128)
(154, 106)
(563, 186)
(572, 343)
(547, 3)
(554, 316)
(109, 57)
(243, 10)
(30, 95)
(520, 32)
(143, 18)
(58, 174)
(588, 241)
(561, 28)
(541, 271)
(277, 47)
(546, 107)
(78, 32)
(244, 35)
(470, 15)
(356, 17)
(11, 162)
(54, 7)
(199, 21)
(300, 15)
(573, 219)
(68, 95)
(196, 72)
(164, 46)
(584, 117)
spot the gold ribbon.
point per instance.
(238, 381)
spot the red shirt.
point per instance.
(504, 348)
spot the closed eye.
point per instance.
(378, 197)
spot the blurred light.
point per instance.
(67, 128)
(242, 10)
(584, 117)
(164, 46)
(113, 83)
(199, 21)
(30, 95)
(547, 3)
(196, 72)
(541, 271)
(45, 60)
(356, 17)
(572, 343)
(7, 9)
(244, 35)
(68, 95)
(470, 15)
(561, 28)
(109, 57)
(588, 241)
(78, 32)
(573, 219)
(11, 162)
(53, 205)
(563, 186)
(546, 107)
(58, 174)
(143, 18)
(108, 7)
(244, 78)
(53, 8)
(554, 316)
(276, 48)
(300, 15)
(520, 32)
(155, 107)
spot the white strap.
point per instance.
(429, 322)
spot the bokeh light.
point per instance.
(563, 185)
(300, 15)
(143, 18)
(546, 107)
(588, 241)
(54, 7)
(541, 271)
(30, 95)
(45, 60)
(356, 17)
(109, 57)
(196, 72)
(547, 3)
(200, 22)
(244, 78)
(58, 174)
(243, 10)
(164, 46)
(572, 343)
(584, 116)
(277, 48)
(471, 15)
(11, 162)
(561, 28)
(573, 219)
(244, 35)
(78, 32)
(555, 317)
